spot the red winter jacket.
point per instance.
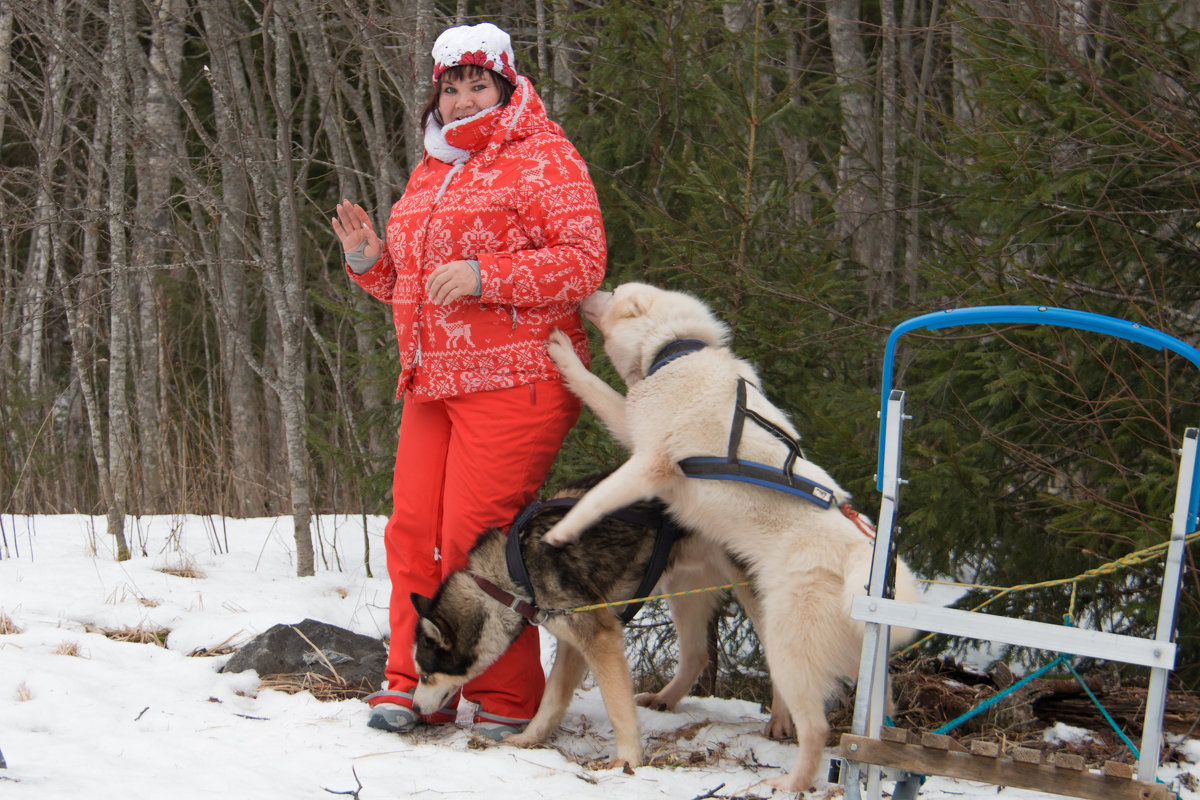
(524, 207)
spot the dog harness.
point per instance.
(666, 533)
(732, 468)
(672, 351)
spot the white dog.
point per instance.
(807, 559)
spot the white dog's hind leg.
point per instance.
(779, 726)
(805, 628)
(811, 731)
(632, 481)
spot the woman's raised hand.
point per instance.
(353, 229)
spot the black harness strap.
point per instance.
(666, 532)
(672, 351)
(512, 549)
(731, 468)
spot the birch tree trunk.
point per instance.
(920, 77)
(857, 201)
(372, 176)
(49, 143)
(8, 306)
(798, 163)
(415, 41)
(555, 59)
(964, 88)
(889, 130)
(247, 462)
(543, 55)
(83, 313)
(6, 32)
(120, 433)
(158, 137)
(283, 274)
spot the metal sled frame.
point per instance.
(864, 751)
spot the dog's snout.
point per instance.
(594, 304)
(428, 699)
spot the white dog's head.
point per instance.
(637, 320)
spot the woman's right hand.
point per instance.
(353, 229)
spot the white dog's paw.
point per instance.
(779, 726)
(521, 740)
(560, 535)
(655, 700)
(562, 351)
(785, 783)
(626, 765)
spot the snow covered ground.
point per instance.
(86, 716)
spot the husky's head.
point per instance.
(447, 649)
(637, 320)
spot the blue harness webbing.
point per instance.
(732, 468)
(666, 533)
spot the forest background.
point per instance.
(177, 334)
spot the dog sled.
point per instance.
(872, 753)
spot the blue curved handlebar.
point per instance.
(1035, 315)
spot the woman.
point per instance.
(496, 240)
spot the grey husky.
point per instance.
(479, 611)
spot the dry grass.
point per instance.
(183, 571)
(122, 593)
(68, 649)
(323, 687)
(213, 652)
(7, 626)
(680, 748)
(23, 693)
(223, 649)
(142, 634)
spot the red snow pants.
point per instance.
(465, 464)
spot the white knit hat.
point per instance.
(483, 45)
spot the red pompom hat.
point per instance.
(483, 45)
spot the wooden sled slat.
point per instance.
(999, 771)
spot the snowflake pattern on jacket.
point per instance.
(522, 205)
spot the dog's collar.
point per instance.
(532, 614)
(672, 351)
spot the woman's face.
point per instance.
(464, 96)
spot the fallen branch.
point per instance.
(353, 792)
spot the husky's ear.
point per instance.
(421, 603)
(427, 628)
(633, 306)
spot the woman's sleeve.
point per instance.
(379, 280)
(560, 212)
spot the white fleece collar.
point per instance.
(437, 146)
(435, 138)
